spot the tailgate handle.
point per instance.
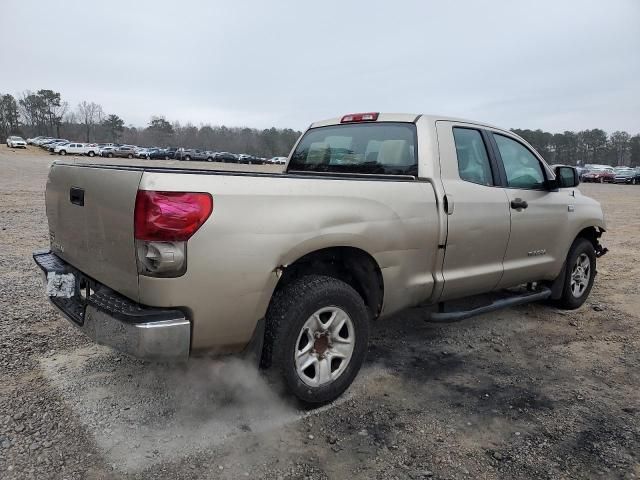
(76, 196)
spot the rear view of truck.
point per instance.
(103, 233)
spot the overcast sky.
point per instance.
(552, 64)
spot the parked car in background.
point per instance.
(16, 142)
(76, 149)
(31, 141)
(47, 143)
(142, 152)
(125, 151)
(600, 174)
(225, 157)
(189, 154)
(51, 146)
(277, 160)
(42, 140)
(627, 175)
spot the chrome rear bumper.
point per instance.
(111, 319)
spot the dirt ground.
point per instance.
(528, 392)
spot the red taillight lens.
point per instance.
(170, 216)
(360, 117)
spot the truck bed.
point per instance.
(174, 164)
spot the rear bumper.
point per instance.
(111, 319)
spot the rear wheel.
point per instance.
(91, 154)
(166, 157)
(633, 181)
(579, 275)
(129, 156)
(316, 337)
(187, 158)
(110, 155)
(601, 179)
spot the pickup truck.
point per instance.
(373, 213)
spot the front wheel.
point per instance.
(63, 152)
(579, 275)
(316, 337)
(633, 181)
(91, 154)
(129, 156)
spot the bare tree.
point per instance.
(90, 114)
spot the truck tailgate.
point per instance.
(90, 212)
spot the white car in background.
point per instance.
(76, 149)
(16, 142)
(277, 160)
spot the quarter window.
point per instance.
(522, 168)
(473, 161)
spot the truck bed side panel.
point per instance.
(261, 223)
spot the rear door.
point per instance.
(539, 216)
(90, 213)
(478, 219)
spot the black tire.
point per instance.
(209, 159)
(91, 154)
(290, 309)
(601, 179)
(62, 152)
(187, 158)
(129, 156)
(110, 155)
(568, 300)
(633, 181)
(166, 157)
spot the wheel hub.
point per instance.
(321, 343)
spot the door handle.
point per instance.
(519, 204)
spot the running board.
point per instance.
(508, 301)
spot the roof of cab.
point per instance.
(404, 117)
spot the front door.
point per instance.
(539, 216)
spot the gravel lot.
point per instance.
(529, 392)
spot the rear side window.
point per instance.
(473, 160)
(522, 168)
(374, 148)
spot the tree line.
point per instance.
(44, 112)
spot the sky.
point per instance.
(551, 64)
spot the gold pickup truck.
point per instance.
(372, 214)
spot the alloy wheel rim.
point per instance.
(580, 275)
(324, 346)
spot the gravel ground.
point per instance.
(528, 392)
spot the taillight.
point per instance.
(360, 117)
(170, 216)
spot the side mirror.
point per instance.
(566, 177)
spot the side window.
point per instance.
(473, 161)
(522, 168)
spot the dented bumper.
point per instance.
(111, 319)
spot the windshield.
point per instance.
(373, 148)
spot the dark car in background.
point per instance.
(627, 175)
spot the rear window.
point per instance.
(376, 148)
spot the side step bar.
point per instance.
(509, 301)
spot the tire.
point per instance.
(633, 181)
(62, 152)
(187, 158)
(580, 252)
(601, 180)
(166, 157)
(306, 304)
(91, 154)
(110, 155)
(129, 156)
(209, 159)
